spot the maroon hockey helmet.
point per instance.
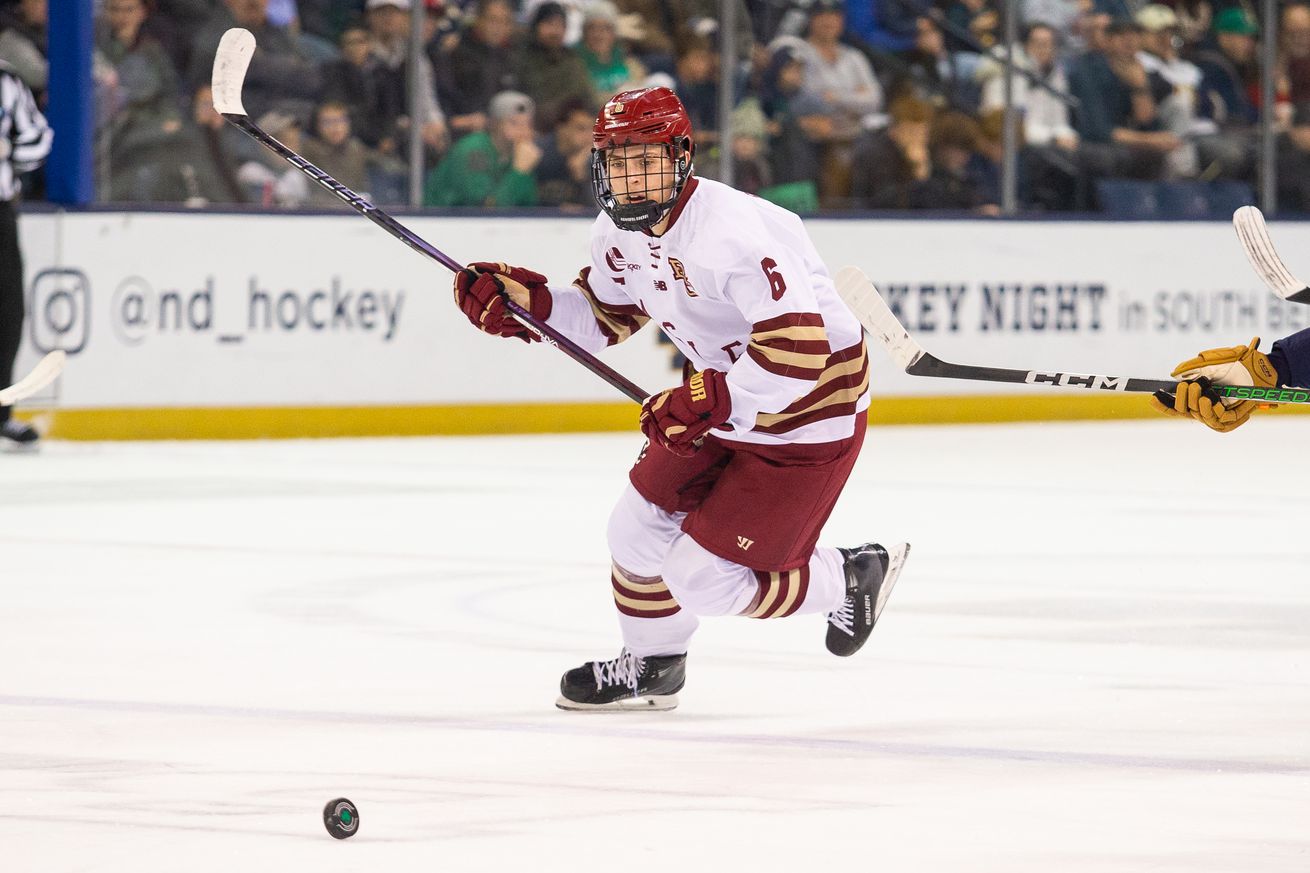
(646, 116)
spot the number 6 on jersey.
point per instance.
(777, 284)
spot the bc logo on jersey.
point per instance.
(680, 275)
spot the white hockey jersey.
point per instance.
(737, 285)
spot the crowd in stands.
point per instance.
(881, 104)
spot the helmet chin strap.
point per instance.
(640, 216)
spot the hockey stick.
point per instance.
(867, 304)
(1254, 235)
(46, 371)
(235, 50)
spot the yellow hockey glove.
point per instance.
(1196, 398)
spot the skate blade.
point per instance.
(651, 703)
(896, 557)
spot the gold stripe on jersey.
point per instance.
(617, 322)
(794, 345)
(818, 332)
(648, 598)
(837, 392)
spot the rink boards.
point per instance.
(218, 325)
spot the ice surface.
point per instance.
(1096, 660)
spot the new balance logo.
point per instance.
(744, 544)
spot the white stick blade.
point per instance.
(235, 50)
(1249, 223)
(46, 371)
(863, 299)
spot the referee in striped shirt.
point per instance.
(24, 143)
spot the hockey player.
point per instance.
(1288, 364)
(745, 458)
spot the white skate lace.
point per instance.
(844, 618)
(624, 670)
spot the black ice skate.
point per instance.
(871, 571)
(22, 434)
(625, 683)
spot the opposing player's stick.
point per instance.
(235, 50)
(1249, 223)
(46, 371)
(878, 319)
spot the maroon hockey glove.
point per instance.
(677, 418)
(479, 291)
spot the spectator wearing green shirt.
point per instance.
(606, 58)
(496, 167)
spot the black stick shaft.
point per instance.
(548, 334)
(927, 365)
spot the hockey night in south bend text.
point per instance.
(1016, 307)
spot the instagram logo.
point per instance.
(59, 310)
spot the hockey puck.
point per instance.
(341, 818)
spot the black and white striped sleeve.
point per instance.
(24, 129)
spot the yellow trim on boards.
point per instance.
(216, 423)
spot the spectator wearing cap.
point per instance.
(388, 26)
(609, 66)
(1179, 99)
(550, 72)
(279, 72)
(478, 67)
(1117, 118)
(1229, 71)
(1160, 44)
(494, 168)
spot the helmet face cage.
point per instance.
(640, 180)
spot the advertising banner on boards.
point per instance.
(179, 309)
